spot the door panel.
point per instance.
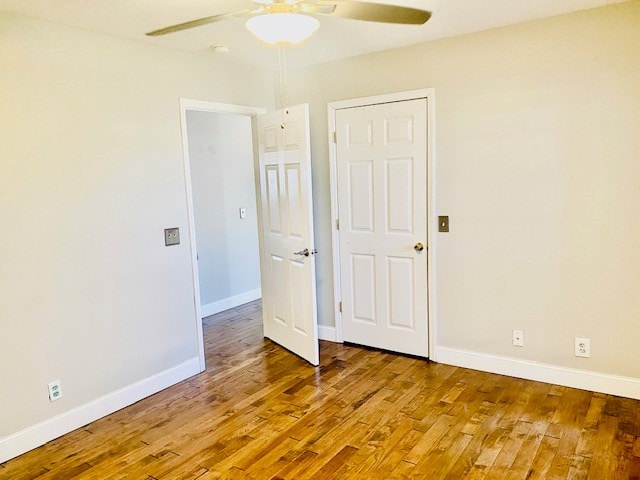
(273, 198)
(363, 275)
(399, 130)
(382, 193)
(400, 274)
(289, 293)
(360, 134)
(361, 195)
(399, 195)
(294, 196)
(278, 290)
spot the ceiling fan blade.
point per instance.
(377, 12)
(202, 21)
(318, 9)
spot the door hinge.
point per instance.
(337, 224)
(340, 306)
(335, 137)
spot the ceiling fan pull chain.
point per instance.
(282, 75)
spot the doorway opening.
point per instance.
(219, 166)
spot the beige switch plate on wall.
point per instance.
(171, 236)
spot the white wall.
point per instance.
(537, 151)
(221, 157)
(91, 172)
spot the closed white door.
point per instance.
(382, 203)
(289, 284)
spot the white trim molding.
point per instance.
(327, 333)
(428, 94)
(43, 432)
(514, 367)
(230, 302)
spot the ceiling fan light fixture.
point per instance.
(277, 28)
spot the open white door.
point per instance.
(289, 278)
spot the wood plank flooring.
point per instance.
(259, 412)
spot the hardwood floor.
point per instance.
(261, 412)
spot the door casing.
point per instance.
(332, 107)
(187, 104)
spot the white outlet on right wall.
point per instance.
(583, 347)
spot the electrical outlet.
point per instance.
(583, 347)
(171, 236)
(55, 390)
(518, 338)
(243, 212)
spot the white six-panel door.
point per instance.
(289, 285)
(382, 203)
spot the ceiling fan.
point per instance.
(278, 21)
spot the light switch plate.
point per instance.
(171, 236)
(443, 223)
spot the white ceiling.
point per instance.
(336, 38)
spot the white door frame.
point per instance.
(429, 95)
(187, 104)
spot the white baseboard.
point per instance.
(327, 333)
(230, 302)
(569, 377)
(43, 432)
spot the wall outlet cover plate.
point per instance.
(171, 236)
(55, 390)
(518, 338)
(583, 347)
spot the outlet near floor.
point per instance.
(55, 390)
(583, 347)
(518, 338)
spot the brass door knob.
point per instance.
(418, 247)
